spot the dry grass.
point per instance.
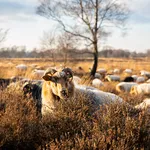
(76, 125)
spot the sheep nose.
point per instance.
(64, 92)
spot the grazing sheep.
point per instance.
(144, 105)
(140, 80)
(112, 78)
(58, 85)
(33, 91)
(128, 71)
(125, 86)
(97, 83)
(21, 67)
(129, 79)
(143, 88)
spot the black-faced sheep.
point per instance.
(128, 79)
(58, 85)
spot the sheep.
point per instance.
(111, 78)
(128, 71)
(97, 83)
(31, 90)
(143, 88)
(102, 71)
(125, 86)
(129, 79)
(76, 79)
(116, 71)
(144, 105)
(145, 74)
(59, 85)
(38, 73)
(140, 79)
(98, 75)
(148, 81)
(135, 77)
(21, 67)
(5, 82)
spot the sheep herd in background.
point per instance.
(62, 84)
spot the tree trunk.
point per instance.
(94, 68)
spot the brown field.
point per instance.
(119, 127)
(8, 65)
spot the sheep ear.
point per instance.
(49, 78)
(46, 77)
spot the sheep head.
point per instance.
(133, 90)
(60, 82)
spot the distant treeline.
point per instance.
(72, 53)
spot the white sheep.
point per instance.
(145, 73)
(128, 71)
(144, 105)
(140, 79)
(111, 78)
(58, 84)
(125, 86)
(148, 81)
(143, 88)
(97, 83)
(135, 77)
(38, 73)
(21, 67)
(116, 71)
(98, 75)
(76, 79)
(102, 70)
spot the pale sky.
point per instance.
(26, 27)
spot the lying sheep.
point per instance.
(21, 67)
(5, 82)
(97, 83)
(116, 71)
(128, 71)
(143, 88)
(125, 86)
(31, 90)
(76, 79)
(144, 105)
(112, 78)
(140, 79)
(38, 73)
(58, 85)
(145, 73)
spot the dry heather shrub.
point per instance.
(19, 123)
(75, 126)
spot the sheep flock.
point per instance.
(50, 88)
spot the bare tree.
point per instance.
(66, 42)
(3, 34)
(48, 41)
(87, 19)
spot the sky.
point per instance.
(26, 27)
